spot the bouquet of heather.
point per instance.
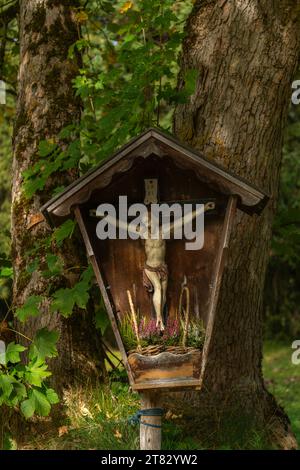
(150, 334)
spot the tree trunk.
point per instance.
(46, 104)
(246, 53)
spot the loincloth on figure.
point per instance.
(161, 271)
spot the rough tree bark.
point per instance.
(246, 53)
(46, 103)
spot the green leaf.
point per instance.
(6, 272)
(87, 275)
(67, 131)
(9, 442)
(58, 190)
(13, 351)
(33, 185)
(63, 301)
(20, 390)
(36, 372)
(101, 320)
(6, 384)
(44, 344)
(28, 407)
(55, 265)
(64, 231)
(80, 293)
(46, 147)
(29, 309)
(52, 396)
(42, 405)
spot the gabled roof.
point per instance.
(153, 141)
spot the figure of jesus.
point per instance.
(155, 272)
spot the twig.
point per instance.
(110, 352)
(107, 358)
(20, 334)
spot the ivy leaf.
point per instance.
(87, 275)
(63, 301)
(67, 131)
(74, 154)
(13, 351)
(46, 147)
(55, 266)
(64, 231)
(81, 294)
(29, 309)
(33, 185)
(44, 344)
(81, 289)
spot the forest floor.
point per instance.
(98, 419)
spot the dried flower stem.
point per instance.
(186, 312)
(134, 319)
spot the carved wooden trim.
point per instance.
(251, 199)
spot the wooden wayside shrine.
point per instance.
(155, 167)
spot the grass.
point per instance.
(97, 419)
(283, 380)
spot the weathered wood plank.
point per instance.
(103, 290)
(168, 385)
(165, 366)
(150, 436)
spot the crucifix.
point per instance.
(155, 272)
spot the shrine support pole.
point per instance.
(150, 426)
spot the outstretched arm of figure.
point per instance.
(115, 222)
(191, 215)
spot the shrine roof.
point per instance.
(155, 142)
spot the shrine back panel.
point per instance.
(122, 261)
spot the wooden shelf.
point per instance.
(169, 383)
